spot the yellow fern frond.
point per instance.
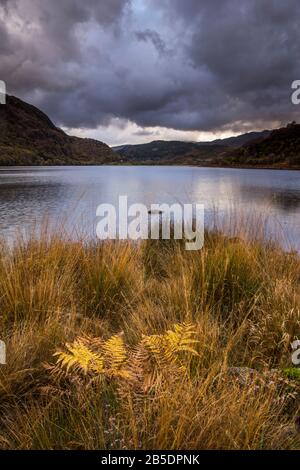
(145, 365)
(115, 351)
(80, 357)
(115, 356)
(180, 340)
(154, 344)
(170, 344)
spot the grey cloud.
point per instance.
(145, 133)
(155, 39)
(4, 40)
(185, 65)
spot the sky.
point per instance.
(133, 71)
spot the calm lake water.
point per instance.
(28, 195)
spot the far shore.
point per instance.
(189, 165)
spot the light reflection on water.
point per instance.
(28, 195)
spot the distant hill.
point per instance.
(242, 139)
(162, 152)
(267, 149)
(28, 137)
(280, 149)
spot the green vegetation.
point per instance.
(281, 149)
(161, 152)
(113, 345)
(276, 149)
(170, 153)
(28, 137)
(292, 373)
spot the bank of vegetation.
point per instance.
(118, 346)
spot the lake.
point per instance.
(29, 195)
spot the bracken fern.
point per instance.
(94, 357)
(143, 363)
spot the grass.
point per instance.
(120, 346)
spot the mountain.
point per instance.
(28, 137)
(161, 152)
(242, 139)
(280, 149)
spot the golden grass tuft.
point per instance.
(121, 346)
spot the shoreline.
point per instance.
(243, 167)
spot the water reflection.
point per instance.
(285, 199)
(28, 194)
(288, 201)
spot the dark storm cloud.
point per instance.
(4, 39)
(182, 64)
(154, 37)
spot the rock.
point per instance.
(245, 375)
